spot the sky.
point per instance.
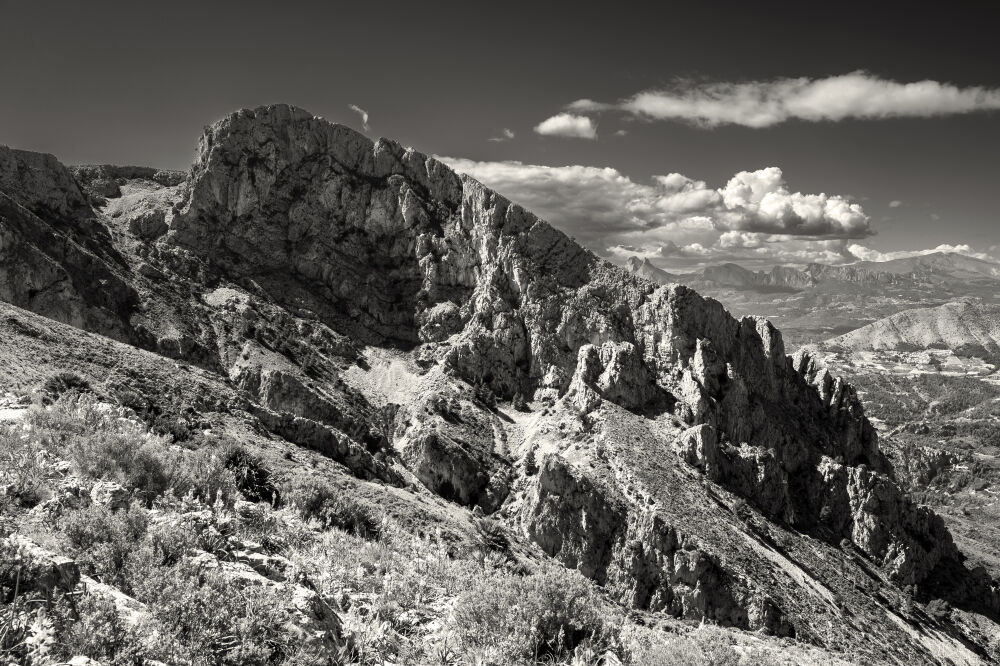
(686, 133)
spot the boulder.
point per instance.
(110, 495)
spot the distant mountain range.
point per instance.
(933, 268)
(967, 328)
(820, 301)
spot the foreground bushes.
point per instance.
(436, 599)
(545, 614)
(316, 499)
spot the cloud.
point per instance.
(760, 201)
(867, 254)
(895, 203)
(505, 135)
(568, 125)
(361, 112)
(754, 216)
(765, 103)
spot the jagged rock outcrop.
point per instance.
(294, 245)
(55, 258)
(633, 553)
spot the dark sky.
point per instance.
(131, 82)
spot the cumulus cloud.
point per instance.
(568, 125)
(505, 135)
(760, 201)
(362, 113)
(766, 103)
(754, 215)
(895, 203)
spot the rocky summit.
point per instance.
(359, 314)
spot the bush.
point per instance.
(484, 395)
(139, 466)
(250, 475)
(203, 474)
(63, 383)
(103, 540)
(490, 536)
(91, 627)
(22, 477)
(315, 499)
(511, 618)
(209, 621)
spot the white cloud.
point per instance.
(505, 135)
(765, 103)
(760, 201)
(867, 254)
(895, 203)
(362, 113)
(568, 125)
(754, 216)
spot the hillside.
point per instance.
(505, 406)
(966, 327)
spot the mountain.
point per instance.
(643, 268)
(820, 301)
(966, 327)
(357, 312)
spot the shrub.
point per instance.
(209, 621)
(315, 499)
(91, 627)
(250, 475)
(137, 465)
(63, 383)
(103, 540)
(546, 614)
(484, 395)
(22, 478)
(202, 474)
(490, 536)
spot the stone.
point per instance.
(110, 495)
(80, 660)
(42, 570)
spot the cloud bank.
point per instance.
(568, 125)
(681, 223)
(754, 213)
(867, 254)
(765, 103)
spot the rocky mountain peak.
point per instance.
(317, 273)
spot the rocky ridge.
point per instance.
(295, 249)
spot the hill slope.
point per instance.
(967, 328)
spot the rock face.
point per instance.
(295, 245)
(55, 258)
